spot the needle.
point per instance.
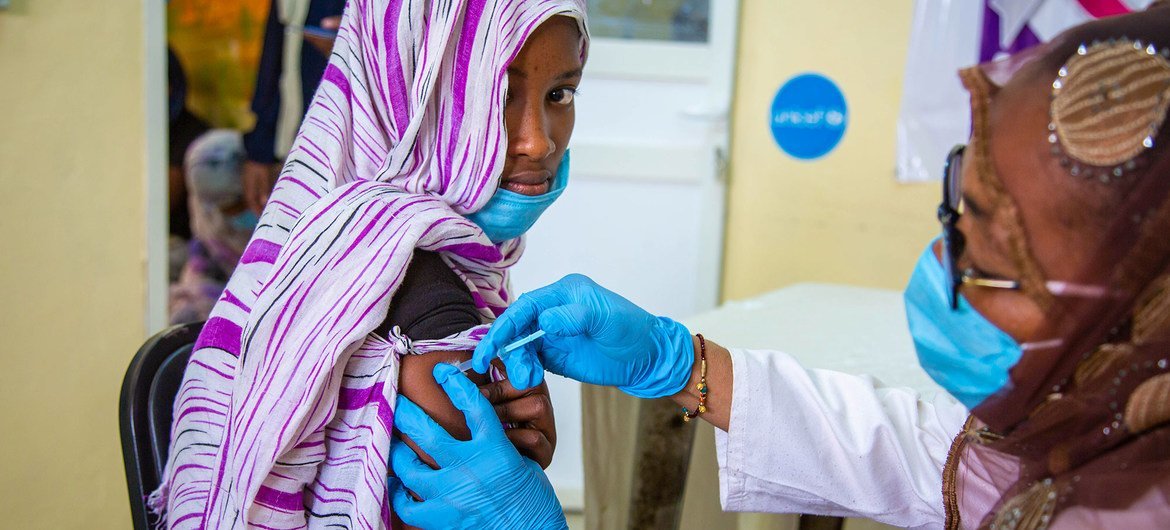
(465, 366)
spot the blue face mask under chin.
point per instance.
(508, 214)
(244, 222)
(963, 352)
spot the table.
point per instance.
(642, 470)
(837, 327)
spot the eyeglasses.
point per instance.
(953, 240)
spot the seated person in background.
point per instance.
(220, 224)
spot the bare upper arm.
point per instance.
(416, 382)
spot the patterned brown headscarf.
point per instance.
(1081, 438)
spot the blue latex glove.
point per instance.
(480, 483)
(592, 335)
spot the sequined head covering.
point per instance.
(1081, 436)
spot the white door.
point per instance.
(643, 213)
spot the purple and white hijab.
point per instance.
(285, 413)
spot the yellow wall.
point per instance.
(841, 218)
(72, 248)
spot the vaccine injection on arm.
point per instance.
(466, 366)
(596, 336)
(473, 475)
(587, 333)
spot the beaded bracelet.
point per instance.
(702, 384)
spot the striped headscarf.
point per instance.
(285, 413)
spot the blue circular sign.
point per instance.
(809, 116)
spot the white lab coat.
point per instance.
(818, 441)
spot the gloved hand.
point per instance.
(592, 335)
(480, 483)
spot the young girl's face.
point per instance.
(539, 114)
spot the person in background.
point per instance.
(286, 78)
(221, 224)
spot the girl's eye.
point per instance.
(562, 96)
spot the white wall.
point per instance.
(641, 215)
(633, 237)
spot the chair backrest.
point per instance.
(145, 408)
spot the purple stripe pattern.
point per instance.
(220, 333)
(260, 251)
(284, 416)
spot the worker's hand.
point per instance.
(592, 335)
(528, 418)
(332, 23)
(480, 483)
(324, 43)
(258, 179)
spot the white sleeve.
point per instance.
(829, 443)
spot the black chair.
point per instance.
(144, 412)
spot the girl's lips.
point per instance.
(528, 182)
(526, 189)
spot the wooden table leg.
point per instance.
(821, 522)
(662, 455)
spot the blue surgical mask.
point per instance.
(508, 215)
(244, 222)
(963, 352)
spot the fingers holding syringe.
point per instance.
(519, 320)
